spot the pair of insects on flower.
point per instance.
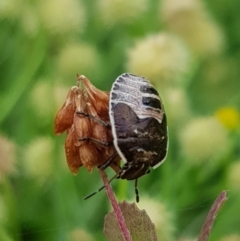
(129, 123)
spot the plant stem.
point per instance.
(116, 208)
(207, 226)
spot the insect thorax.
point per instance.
(139, 94)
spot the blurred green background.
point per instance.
(189, 49)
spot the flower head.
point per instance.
(177, 106)
(113, 12)
(162, 58)
(190, 20)
(10, 9)
(30, 20)
(187, 239)
(203, 139)
(38, 159)
(40, 103)
(232, 237)
(229, 117)
(80, 235)
(61, 16)
(75, 58)
(233, 175)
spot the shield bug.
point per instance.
(139, 127)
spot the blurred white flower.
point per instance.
(120, 11)
(187, 239)
(203, 139)
(38, 159)
(39, 98)
(59, 94)
(30, 20)
(7, 157)
(10, 9)
(162, 58)
(80, 235)
(169, 8)
(190, 20)
(160, 216)
(233, 176)
(176, 105)
(78, 58)
(232, 237)
(62, 16)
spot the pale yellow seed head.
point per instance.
(194, 24)
(113, 12)
(77, 58)
(232, 237)
(177, 107)
(80, 235)
(162, 58)
(10, 9)
(233, 176)
(39, 97)
(203, 139)
(38, 161)
(30, 20)
(62, 16)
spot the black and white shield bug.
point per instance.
(139, 125)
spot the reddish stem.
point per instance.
(116, 208)
(207, 226)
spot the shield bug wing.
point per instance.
(139, 125)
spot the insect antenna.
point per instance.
(101, 188)
(136, 190)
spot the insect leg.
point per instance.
(136, 190)
(101, 143)
(101, 188)
(109, 161)
(104, 123)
